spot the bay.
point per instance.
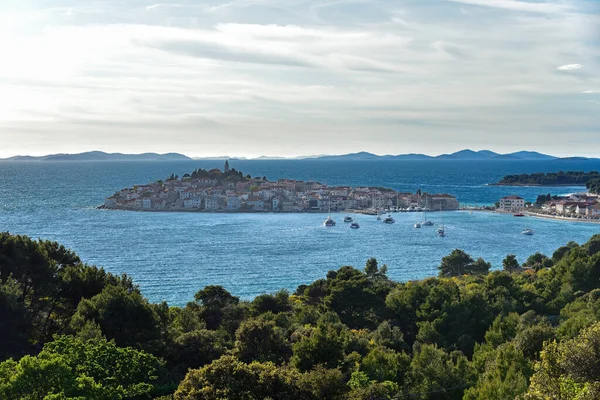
(172, 255)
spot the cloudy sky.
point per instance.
(299, 77)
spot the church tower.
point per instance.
(226, 166)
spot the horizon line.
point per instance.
(290, 157)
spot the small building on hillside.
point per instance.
(511, 203)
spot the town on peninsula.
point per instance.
(229, 190)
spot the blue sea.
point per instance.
(173, 255)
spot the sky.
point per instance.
(299, 77)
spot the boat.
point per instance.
(441, 231)
(426, 222)
(417, 225)
(527, 231)
(348, 218)
(354, 225)
(329, 221)
(388, 220)
(375, 208)
(518, 215)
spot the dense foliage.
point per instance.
(593, 185)
(551, 178)
(530, 331)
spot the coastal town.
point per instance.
(229, 190)
(583, 206)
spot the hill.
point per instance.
(463, 155)
(102, 156)
(77, 331)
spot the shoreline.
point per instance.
(543, 216)
(196, 210)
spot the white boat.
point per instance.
(348, 218)
(354, 225)
(388, 220)
(329, 221)
(527, 232)
(441, 230)
(426, 222)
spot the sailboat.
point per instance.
(441, 231)
(329, 222)
(426, 222)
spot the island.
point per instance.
(560, 178)
(102, 156)
(230, 190)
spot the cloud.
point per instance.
(155, 6)
(589, 92)
(295, 73)
(518, 5)
(570, 67)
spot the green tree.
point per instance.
(510, 263)
(454, 264)
(505, 376)
(73, 368)
(215, 299)
(434, 372)
(123, 315)
(261, 340)
(195, 349)
(229, 378)
(382, 364)
(323, 345)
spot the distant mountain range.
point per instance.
(459, 155)
(102, 156)
(465, 155)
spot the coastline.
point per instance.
(536, 184)
(543, 216)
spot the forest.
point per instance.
(574, 178)
(525, 330)
(593, 185)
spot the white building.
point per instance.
(511, 203)
(193, 202)
(234, 203)
(159, 204)
(275, 204)
(213, 203)
(147, 203)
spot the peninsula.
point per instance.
(229, 190)
(560, 178)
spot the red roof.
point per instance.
(512, 198)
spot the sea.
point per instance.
(173, 255)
